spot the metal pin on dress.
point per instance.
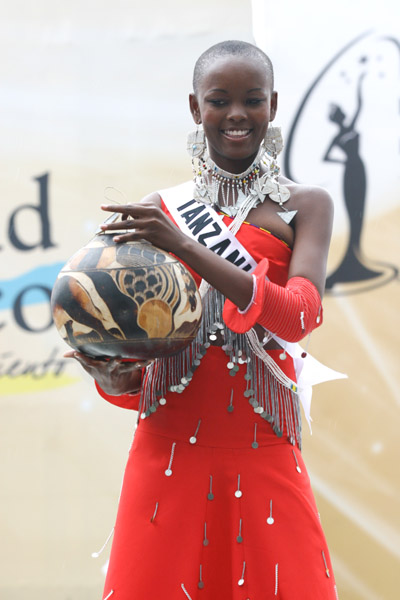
(326, 565)
(210, 495)
(230, 405)
(270, 519)
(154, 514)
(184, 591)
(276, 578)
(239, 538)
(205, 541)
(238, 492)
(241, 580)
(298, 469)
(200, 585)
(193, 438)
(168, 471)
(255, 443)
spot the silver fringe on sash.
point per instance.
(269, 391)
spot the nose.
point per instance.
(237, 112)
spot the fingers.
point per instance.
(128, 237)
(128, 209)
(127, 224)
(111, 363)
(83, 359)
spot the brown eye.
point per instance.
(217, 102)
(255, 101)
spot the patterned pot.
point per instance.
(130, 300)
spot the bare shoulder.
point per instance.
(310, 196)
(311, 201)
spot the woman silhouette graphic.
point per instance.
(354, 190)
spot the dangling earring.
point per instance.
(273, 144)
(196, 143)
(273, 141)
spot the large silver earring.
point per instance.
(196, 143)
(273, 141)
(273, 144)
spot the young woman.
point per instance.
(216, 500)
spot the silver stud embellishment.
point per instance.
(168, 471)
(200, 585)
(238, 492)
(210, 495)
(270, 519)
(326, 564)
(239, 538)
(298, 469)
(185, 592)
(255, 443)
(230, 405)
(154, 514)
(205, 540)
(193, 438)
(241, 580)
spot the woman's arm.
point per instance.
(116, 376)
(295, 310)
(148, 221)
(313, 232)
(312, 236)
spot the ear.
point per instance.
(274, 105)
(195, 109)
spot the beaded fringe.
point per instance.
(269, 391)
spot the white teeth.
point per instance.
(237, 132)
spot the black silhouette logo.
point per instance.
(344, 148)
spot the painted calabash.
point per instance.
(130, 300)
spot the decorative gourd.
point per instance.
(130, 300)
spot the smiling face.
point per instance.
(235, 103)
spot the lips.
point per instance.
(236, 133)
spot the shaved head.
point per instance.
(230, 48)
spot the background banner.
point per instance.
(94, 97)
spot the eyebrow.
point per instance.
(221, 91)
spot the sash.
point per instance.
(202, 223)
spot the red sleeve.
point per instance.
(290, 312)
(130, 401)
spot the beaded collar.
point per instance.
(236, 194)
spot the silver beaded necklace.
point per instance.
(237, 194)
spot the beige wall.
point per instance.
(95, 95)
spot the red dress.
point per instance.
(214, 504)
